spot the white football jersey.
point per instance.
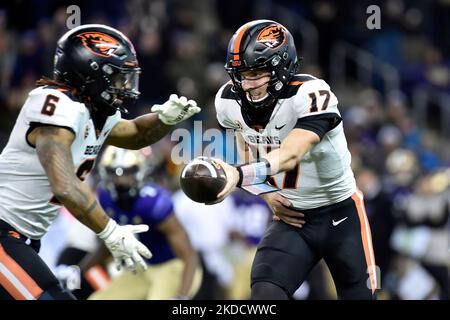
(26, 200)
(324, 175)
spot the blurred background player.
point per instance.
(225, 235)
(422, 237)
(174, 272)
(251, 215)
(210, 230)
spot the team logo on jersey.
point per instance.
(272, 36)
(99, 43)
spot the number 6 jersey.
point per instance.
(26, 200)
(324, 175)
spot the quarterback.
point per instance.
(291, 135)
(53, 146)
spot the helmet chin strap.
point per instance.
(249, 98)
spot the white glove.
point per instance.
(124, 246)
(176, 109)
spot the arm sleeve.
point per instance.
(319, 123)
(52, 107)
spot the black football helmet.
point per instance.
(100, 62)
(262, 44)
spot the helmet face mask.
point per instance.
(100, 62)
(126, 82)
(123, 86)
(262, 44)
(126, 176)
(123, 182)
(255, 83)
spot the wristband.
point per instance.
(105, 233)
(254, 173)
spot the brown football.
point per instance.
(202, 179)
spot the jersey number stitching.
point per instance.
(290, 180)
(313, 97)
(49, 105)
(291, 177)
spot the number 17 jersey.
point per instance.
(26, 200)
(324, 176)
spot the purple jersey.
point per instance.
(152, 206)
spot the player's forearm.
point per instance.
(183, 249)
(291, 151)
(285, 158)
(190, 266)
(53, 149)
(150, 129)
(82, 203)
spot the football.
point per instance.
(202, 179)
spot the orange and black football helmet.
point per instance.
(262, 44)
(100, 62)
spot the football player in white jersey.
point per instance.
(53, 146)
(291, 132)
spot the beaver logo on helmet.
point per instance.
(272, 36)
(99, 43)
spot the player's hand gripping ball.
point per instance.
(202, 179)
